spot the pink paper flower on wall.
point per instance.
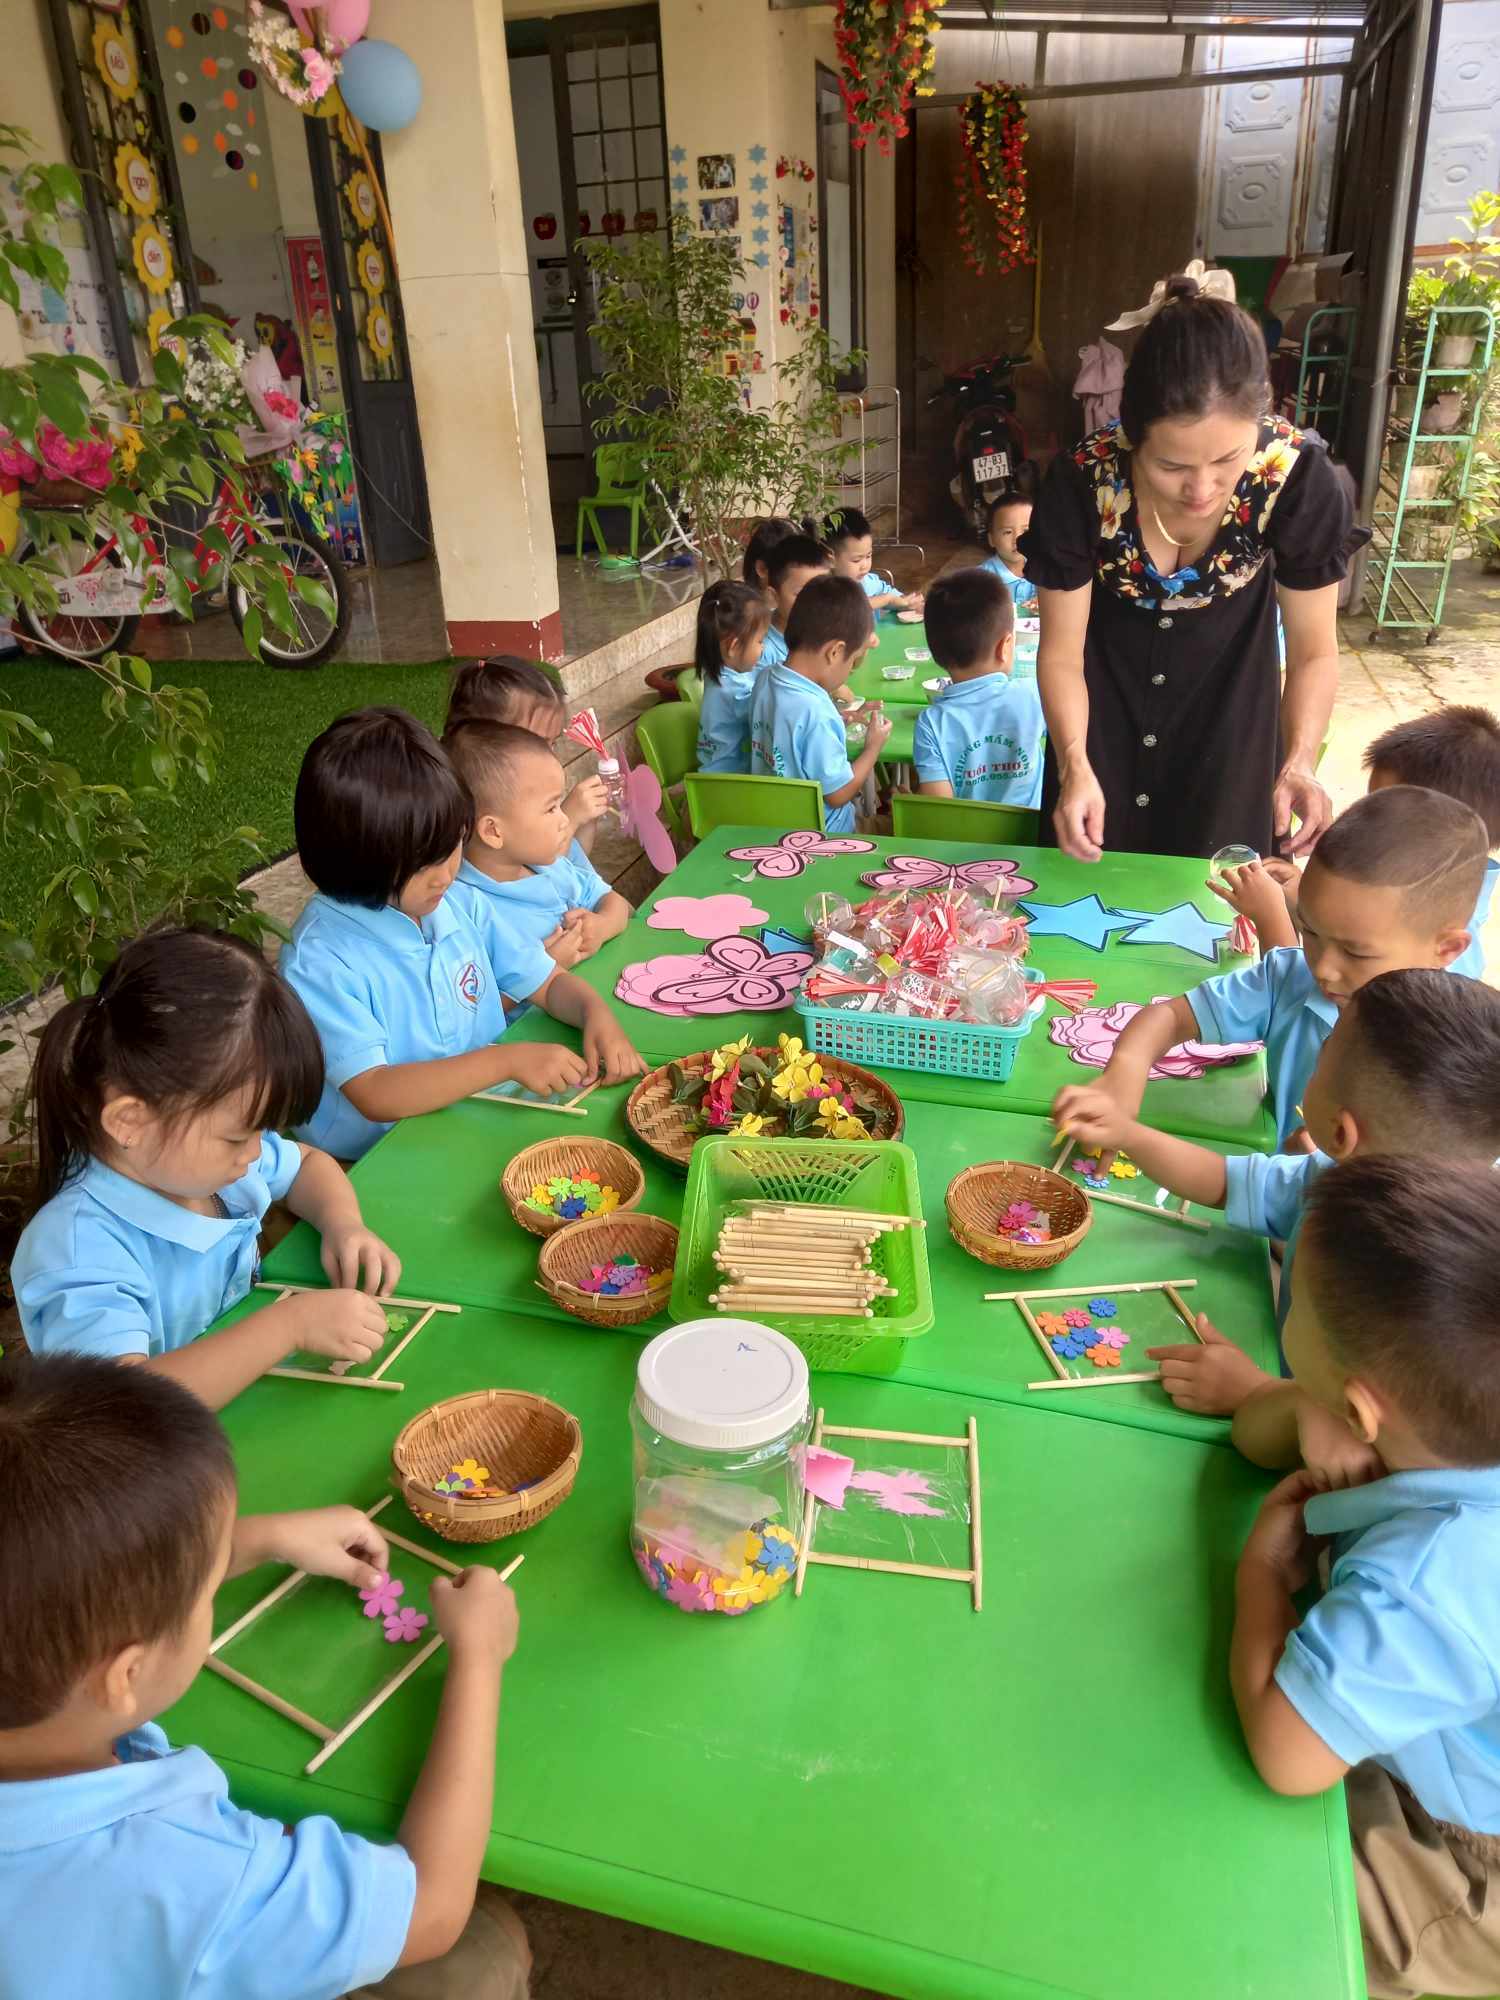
(1090, 1039)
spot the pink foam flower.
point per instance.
(403, 1627)
(380, 1600)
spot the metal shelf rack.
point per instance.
(872, 480)
(1323, 372)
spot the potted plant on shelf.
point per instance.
(1424, 289)
(1472, 280)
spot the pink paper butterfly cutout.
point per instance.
(794, 851)
(1090, 1039)
(919, 871)
(731, 974)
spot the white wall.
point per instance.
(1463, 137)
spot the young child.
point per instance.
(1389, 885)
(518, 886)
(1010, 517)
(851, 538)
(1388, 1682)
(981, 736)
(793, 562)
(733, 619)
(508, 689)
(128, 1871)
(1412, 1068)
(393, 971)
(1452, 750)
(795, 729)
(156, 1101)
(768, 533)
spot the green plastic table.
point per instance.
(894, 640)
(1048, 1798)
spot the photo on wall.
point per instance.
(724, 213)
(715, 170)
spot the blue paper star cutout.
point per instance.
(761, 261)
(679, 156)
(1086, 921)
(760, 209)
(761, 235)
(1184, 926)
(779, 940)
(679, 208)
(756, 155)
(758, 184)
(679, 183)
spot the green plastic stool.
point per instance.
(732, 798)
(914, 817)
(620, 475)
(668, 736)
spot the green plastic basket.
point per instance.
(879, 1174)
(900, 1041)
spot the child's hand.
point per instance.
(590, 928)
(608, 1050)
(877, 728)
(477, 1614)
(1330, 1450)
(1251, 891)
(547, 1067)
(1213, 1379)
(1300, 1141)
(916, 601)
(1095, 1117)
(1279, 1540)
(565, 946)
(331, 1541)
(358, 1257)
(345, 1325)
(588, 801)
(1286, 874)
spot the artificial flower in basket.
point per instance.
(991, 180)
(741, 1096)
(299, 69)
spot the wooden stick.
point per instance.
(896, 1569)
(587, 1090)
(1150, 1208)
(830, 1212)
(746, 1262)
(1066, 1142)
(285, 1588)
(387, 1299)
(809, 1508)
(1105, 1379)
(527, 1103)
(1099, 1291)
(1180, 1308)
(892, 1437)
(824, 1281)
(415, 1549)
(264, 1694)
(1054, 1359)
(800, 1308)
(976, 1542)
(404, 1342)
(334, 1381)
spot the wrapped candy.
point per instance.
(825, 914)
(920, 994)
(992, 987)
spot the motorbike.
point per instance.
(989, 445)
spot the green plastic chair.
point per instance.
(668, 736)
(620, 475)
(733, 798)
(690, 689)
(914, 817)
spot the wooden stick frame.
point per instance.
(973, 1576)
(330, 1738)
(1177, 1211)
(572, 1109)
(337, 1377)
(1106, 1378)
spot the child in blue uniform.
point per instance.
(1388, 886)
(522, 692)
(128, 1872)
(156, 1101)
(392, 970)
(793, 562)
(518, 887)
(795, 729)
(852, 541)
(733, 619)
(1387, 1682)
(981, 736)
(767, 533)
(1010, 517)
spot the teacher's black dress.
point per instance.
(1183, 671)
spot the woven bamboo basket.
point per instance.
(569, 1157)
(663, 1126)
(979, 1196)
(524, 1440)
(572, 1254)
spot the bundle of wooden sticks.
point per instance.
(803, 1257)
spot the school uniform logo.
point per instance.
(470, 984)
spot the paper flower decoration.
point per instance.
(1090, 1039)
(918, 871)
(378, 336)
(136, 179)
(704, 917)
(403, 1627)
(793, 852)
(114, 58)
(360, 196)
(151, 254)
(1103, 1308)
(380, 1599)
(734, 973)
(157, 322)
(689, 1593)
(370, 263)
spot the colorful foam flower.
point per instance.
(1051, 1322)
(689, 1593)
(403, 1627)
(1123, 1170)
(1103, 1308)
(1104, 1357)
(468, 1469)
(1076, 1316)
(777, 1555)
(381, 1598)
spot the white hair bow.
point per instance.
(1215, 284)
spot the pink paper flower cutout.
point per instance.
(918, 871)
(405, 1626)
(1090, 1039)
(734, 973)
(896, 1492)
(380, 1600)
(792, 853)
(704, 916)
(639, 985)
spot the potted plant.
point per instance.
(1424, 289)
(1472, 281)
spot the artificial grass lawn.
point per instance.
(267, 717)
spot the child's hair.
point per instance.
(1453, 750)
(847, 525)
(1402, 1280)
(726, 611)
(117, 1556)
(1008, 497)
(835, 608)
(487, 756)
(503, 690)
(774, 530)
(1419, 1056)
(968, 614)
(1198, 355)
(1430, 846)
(376, 801)
(796, 552)
(181, 1020)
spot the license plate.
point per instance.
(993, 465)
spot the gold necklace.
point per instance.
(1171, 540)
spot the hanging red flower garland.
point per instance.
(885, 56)
(992, 180)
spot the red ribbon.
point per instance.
(1073, 994)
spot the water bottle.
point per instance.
(614, 785)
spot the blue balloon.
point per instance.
(381, 85)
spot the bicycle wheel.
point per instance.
(314, 634)
(68, 635)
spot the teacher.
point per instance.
(1160, 549)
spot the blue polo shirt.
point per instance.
(1470, 960)
(512, 918)
(383, 991)
(1264, 1192)
(724, 721)
(774, 651)
(796, 731)
(1022, 589)
(144, 1880)
(1276, 1001)
(1400, 1659)
(984, 736)
(109, 1267)
(876, 586)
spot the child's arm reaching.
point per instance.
(1146, 1036)
(877, 731)
(585, 806)
(407, 1090)
(1255, 893)
(325, 1541)
(344, 1324)
(607, 1050)
(1093, 1116)
(323, 1195)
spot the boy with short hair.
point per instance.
(796, 730)
(1010, 517)
(793, 563)
(1411, 1068)
(981, 736)
(507, 688)
(126, 1870)
(852, 540)
(1389, 885)
(1390, 1678)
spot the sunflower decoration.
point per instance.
(115, 58)
(152, 255)
(378, 333)
(370, 263)
(136, 179)
(359, 192)
(157, 321)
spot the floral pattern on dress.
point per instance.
(1235, 557)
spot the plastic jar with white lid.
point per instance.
(721, 1418)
